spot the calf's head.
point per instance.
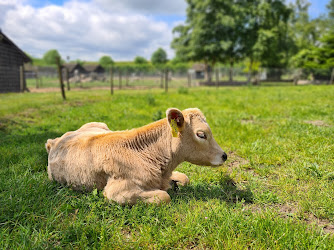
(195, 139)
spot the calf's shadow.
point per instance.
(225, 190)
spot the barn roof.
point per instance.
(71, 66)
(92, 67)
(4, 38)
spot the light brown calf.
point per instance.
(134, 164)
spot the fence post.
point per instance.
(162, 79)
(36, 76)
(332, 77)
(40, 81)
(166, 80)
(111, 82)
(120, 79)
(189, 80)
(217, 77)
(67, 79)
(60, 79)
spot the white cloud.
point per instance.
(148, 7)
(84, 30)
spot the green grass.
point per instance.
(274, 192)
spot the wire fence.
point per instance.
(46, 77)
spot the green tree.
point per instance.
(50, 57)
(159, 60)
(318, 61)
(304, 31)
(273, 47)
(326, 54)
(140, 60)
(159, 57)
(106, 62)
(201, 38)
(216, 31)
(330, 7)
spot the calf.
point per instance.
(134, 164)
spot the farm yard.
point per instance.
(274, 192)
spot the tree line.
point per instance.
(159, 62)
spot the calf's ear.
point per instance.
(177, 116)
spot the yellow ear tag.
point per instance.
(175, 129)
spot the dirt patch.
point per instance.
(318, 123)
(291, 211)
(235, 160)
(326, 225)
(244, 121)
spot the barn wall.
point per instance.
(10, 62)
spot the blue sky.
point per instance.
(317, 7)
(89, 29)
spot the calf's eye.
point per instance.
(201, 134)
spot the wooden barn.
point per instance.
(74, 68)
(98, 69)
(12, 59)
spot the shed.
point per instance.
(200, 70)
(12, 59)
(75, 68)
(98, 69)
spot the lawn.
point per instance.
(274, 192)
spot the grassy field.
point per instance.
(275, 191)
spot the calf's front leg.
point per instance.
(179, 178)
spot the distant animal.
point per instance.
(134, 164)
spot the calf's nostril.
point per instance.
(224, 156)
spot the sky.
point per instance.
(89, 29)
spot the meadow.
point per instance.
(274, 192)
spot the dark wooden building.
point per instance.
(74, 68)
(98, 69)
(12, 59)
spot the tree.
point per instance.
(159, 60)
(106, 62)
(273, 46)
(213, 32)
(140, 65)
(159, 57)
(304, 31)
(50, 57)
(330, 19)
(140, 60)
(326, 55)
(330, 7)
(318, 61)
